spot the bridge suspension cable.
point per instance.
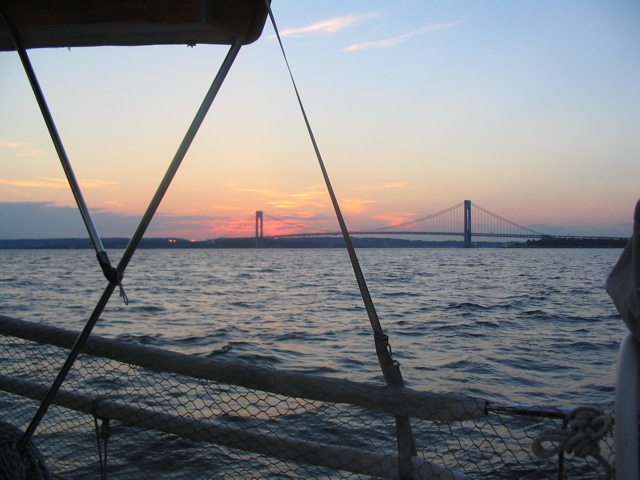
(486, 223)
(445, 222)
(300, 226)
(247, 223)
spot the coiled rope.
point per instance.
(27, 464)
(587, 426)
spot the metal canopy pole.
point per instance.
(390, 368)
(103, 258)
(135, 240)
(180, 153)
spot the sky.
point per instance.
(531, 110)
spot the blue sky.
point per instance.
(529, 109)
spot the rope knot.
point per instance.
(113, 275)
(586, 427)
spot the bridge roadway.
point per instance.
(453, 234)
(384, 232)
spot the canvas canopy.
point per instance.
(623, 284)
(84, 23)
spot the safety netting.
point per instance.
(131, 411)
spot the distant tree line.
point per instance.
(573, 242)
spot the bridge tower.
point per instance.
(259, 228)
(467, 224)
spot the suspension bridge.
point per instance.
(466, 220)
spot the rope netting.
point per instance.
(120, 420)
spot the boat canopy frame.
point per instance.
(114, 275)
(93, 23)
(38, 23)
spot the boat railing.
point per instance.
(190, 416)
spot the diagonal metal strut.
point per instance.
(135, 240)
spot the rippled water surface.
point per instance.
(511, 325)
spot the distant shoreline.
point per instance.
(309, 242)
(571, 242)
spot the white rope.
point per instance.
(587, 426)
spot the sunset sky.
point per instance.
(529, 109)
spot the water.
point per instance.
(510, 325)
